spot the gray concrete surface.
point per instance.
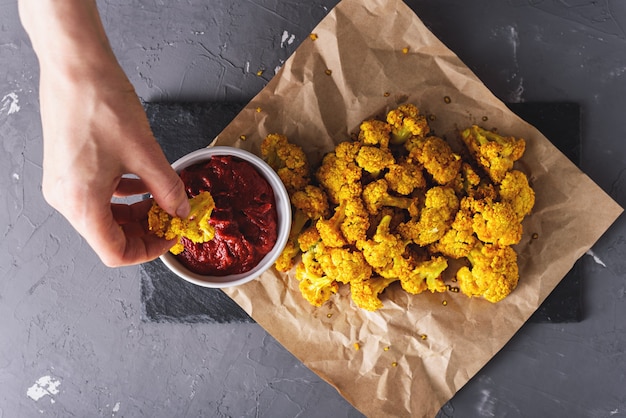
(73, 340)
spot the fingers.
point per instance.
(129, 186)
(121, 237)
(166, 186)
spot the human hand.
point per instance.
(95, 133)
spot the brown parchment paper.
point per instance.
(433, 348)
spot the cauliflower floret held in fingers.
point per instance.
(195, 227)
(493, 274)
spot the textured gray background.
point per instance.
(73, 339)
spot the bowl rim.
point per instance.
(283, 208)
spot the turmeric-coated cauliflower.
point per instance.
(437, 158)
(365, 294)
(434, 219)
(288, 160)
(376, 196)
(339, 173)
(516, 190)
(344, 265)
(493, 274)
(196, 227)
(458, 241)
(374, 159)
(406, 122)
(495, 222)
(426, 275)
(308, 204)
(315, 286)
(395, 203)
(375, 132)
(492, 151)
(404, 177)
(384, 249)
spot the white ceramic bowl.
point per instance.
(283, 207)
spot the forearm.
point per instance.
(68, 37)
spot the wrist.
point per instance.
(68, 38)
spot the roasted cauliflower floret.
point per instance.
(492, 151)
(339, 173)
(344, 265)
(385, 249)
(308, 204)
(366, 293)
(375, 132)
(515, 190)
(437, 158)
(440, 207)
(493, 274)
(458, 241)
(288, 160)
(196, 227)
(495, 222)
(376, 196)
(315, 286)
(404, 177)
(330, 229)
(426, 275)
(406, 122)
(356, 223)
(374, 159)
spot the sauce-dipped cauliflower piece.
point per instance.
(195, 227)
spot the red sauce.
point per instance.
(244, 217)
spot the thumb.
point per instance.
(165, 185)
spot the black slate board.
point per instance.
(184, 127)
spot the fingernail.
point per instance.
(183, 210)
